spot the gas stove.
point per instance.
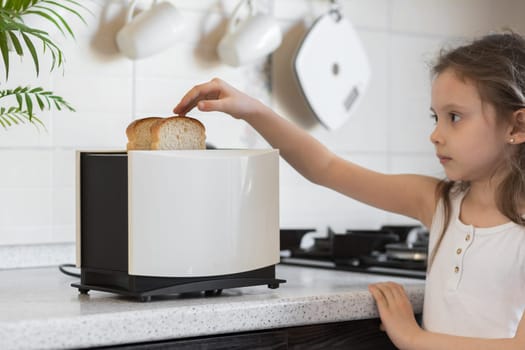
(391, 250)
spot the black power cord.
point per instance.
(63, 269)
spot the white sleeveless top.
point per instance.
(476, 284)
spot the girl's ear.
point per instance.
(517, 133)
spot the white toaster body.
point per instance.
(202, 213)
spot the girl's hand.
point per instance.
(397, 315)
(217, 95)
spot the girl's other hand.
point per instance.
(396, 312)
(217, 95)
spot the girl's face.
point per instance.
(469, 141)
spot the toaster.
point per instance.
(168, 222)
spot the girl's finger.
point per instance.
(400, 295)
(181, 109)
(379, 297)
(398, 290)
(192, 97)
(386, 289)
(210, 105)
(189, 101)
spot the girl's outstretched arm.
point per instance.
(398, 320)
(410, 195)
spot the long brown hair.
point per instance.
(496, 63)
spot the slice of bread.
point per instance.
(156, 133)
(139, 134)
(178, 133)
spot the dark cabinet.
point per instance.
(351, 335)
(354, 335)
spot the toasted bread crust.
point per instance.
(131, 130)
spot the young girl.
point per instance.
(475, 289)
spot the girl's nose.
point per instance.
(435, 136)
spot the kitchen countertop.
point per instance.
(39, 309)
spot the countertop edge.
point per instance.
(191, 321)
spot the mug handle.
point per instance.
(131, 9)
(234, 20)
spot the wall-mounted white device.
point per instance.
(332, 69)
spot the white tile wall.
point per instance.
(444, 18)
(410, 122)
(389, 132)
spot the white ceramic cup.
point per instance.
(151, 31)
(249, 39)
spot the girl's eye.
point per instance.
(454, 117)
(434, 117)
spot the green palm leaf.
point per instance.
(25, 98)
(25, 40)
(5, 52)
(14, 116)
(12, 26)
(32, 50)
(16, 44)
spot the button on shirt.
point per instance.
(476, 283)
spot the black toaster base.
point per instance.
(144, 287)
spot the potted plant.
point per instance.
(16, 37)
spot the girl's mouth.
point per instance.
(443, 159)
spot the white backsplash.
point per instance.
(389, 132)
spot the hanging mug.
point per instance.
(151, 31)
(249, 39)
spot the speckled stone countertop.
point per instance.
(39, 309)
